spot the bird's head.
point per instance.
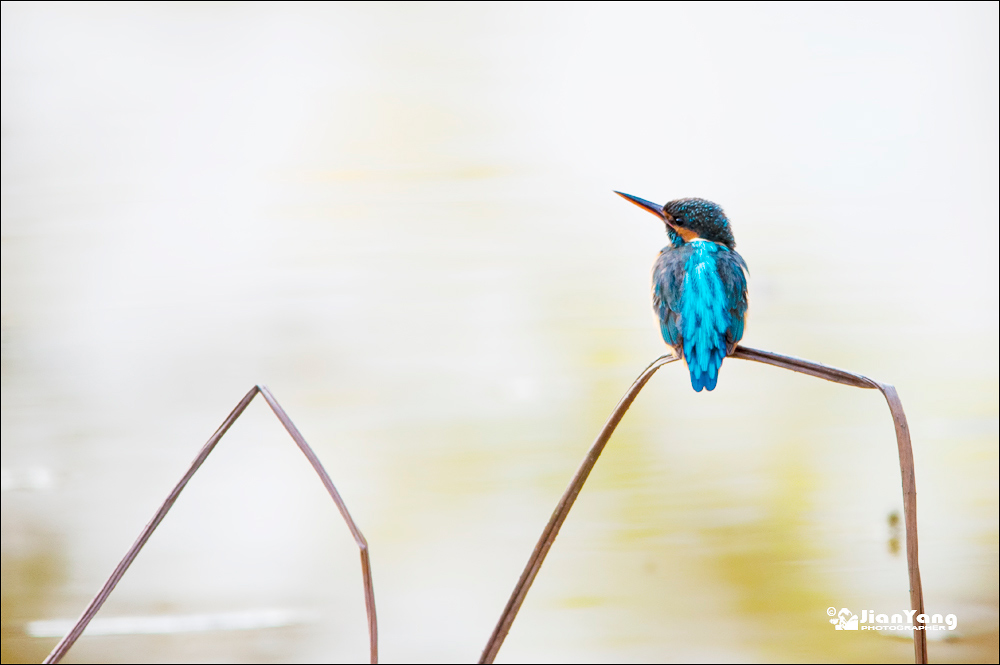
(690, 219)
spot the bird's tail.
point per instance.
(704, 368)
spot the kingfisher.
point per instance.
(699, 285)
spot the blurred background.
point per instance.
(400, 218)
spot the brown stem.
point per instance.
(95, 605)
(786, 362)
(366, 571)
(906, 470)
(562, 511)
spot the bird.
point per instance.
(699, 285)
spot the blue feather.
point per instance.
(700, 298)
(700, 324)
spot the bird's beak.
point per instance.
(648, 206)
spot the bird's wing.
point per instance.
(668, 279)
(732, 272)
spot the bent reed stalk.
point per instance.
(808, 367)
(67, 642)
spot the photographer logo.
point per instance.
(904, 621)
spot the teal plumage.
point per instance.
(699, 286)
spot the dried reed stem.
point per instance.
(786, 362)
(562, 511)
(906, 471)
(95, 605)
(366, 569)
